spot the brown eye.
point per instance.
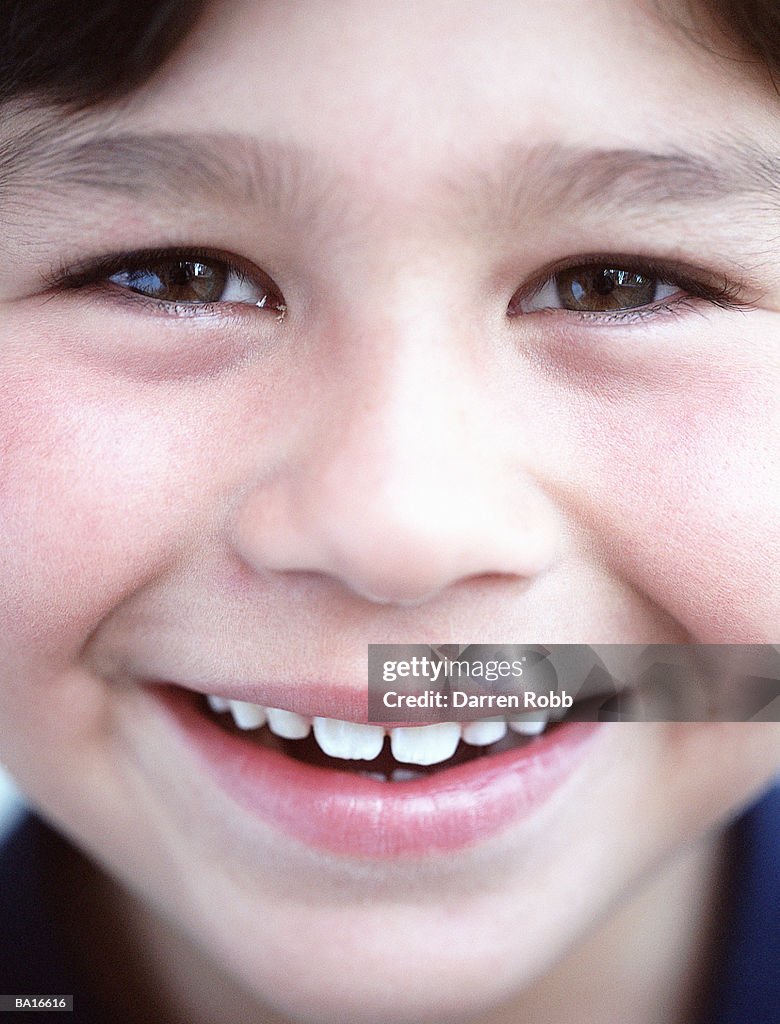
(596, 288)
(602, 288)
(196, 281)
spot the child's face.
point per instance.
(230, 498)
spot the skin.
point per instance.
(231, 495)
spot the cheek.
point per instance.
(101, 488)
(683, 491)
(89, 472)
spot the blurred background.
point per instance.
(11, 803)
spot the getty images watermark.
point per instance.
(618, 682)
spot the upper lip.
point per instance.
(325, 697)
(324, 700)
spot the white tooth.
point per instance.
(529, 727)
(425, 744)
(247, 716)
(404, 775)
(217, 703)
(483, 733)
(349, 740)
(288, 724)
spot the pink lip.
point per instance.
(349, 815)
(348, 703)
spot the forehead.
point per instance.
(347, 76)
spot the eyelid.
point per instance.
(711, 286)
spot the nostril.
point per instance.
(411, 592)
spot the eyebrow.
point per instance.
(297, 182)
(163, 167)
(638, 178)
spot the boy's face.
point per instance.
(420, 449)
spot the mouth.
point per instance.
(370, 790)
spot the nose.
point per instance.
(404, 481)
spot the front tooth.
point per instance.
(349, 740)
(425, 744)
(246, 715)
(288, 724)
(529, 727)
(217, 703)
(483, 733)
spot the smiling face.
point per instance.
(446, 325)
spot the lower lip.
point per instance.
(352, 816)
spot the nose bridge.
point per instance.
(400, 486)
(408, 435)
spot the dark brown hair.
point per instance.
(77, 53)
(754, 25)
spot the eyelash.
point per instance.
(721, 293)
(98, 272)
